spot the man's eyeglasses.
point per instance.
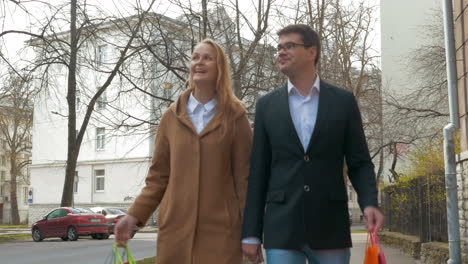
(290, 45)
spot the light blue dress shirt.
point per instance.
(303, 112)
(200, 114)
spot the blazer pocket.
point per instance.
(338, 196)
(275, 197)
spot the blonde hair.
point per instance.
(224, 94)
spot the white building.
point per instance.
(119, 140)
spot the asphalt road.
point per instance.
(89, 251)
(84, 250)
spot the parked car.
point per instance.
(113, 215)
(70, 223)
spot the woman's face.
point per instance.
(203, 66)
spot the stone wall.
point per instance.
(434, 253)
(462, 182)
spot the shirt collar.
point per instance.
(193, 103)
(315, 85)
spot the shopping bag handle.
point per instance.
(130, 258)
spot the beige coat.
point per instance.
(200, 183)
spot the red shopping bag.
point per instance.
(374, 252)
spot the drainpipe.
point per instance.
(449, 145)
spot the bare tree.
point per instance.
(421, 112)
(15, 126)
(66, 50)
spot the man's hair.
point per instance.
(309, 36)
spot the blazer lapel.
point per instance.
(323, 106)
(285, 111)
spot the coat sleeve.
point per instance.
(241, 148)
(156, 180)
(258, 178)
(360, 167)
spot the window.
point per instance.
(56, 214)
(2, 176)
(101, 54)
(2, 191)
(100, 138)
(102, 100)
(3, 160)
(75, 183)
(4, 143)
(99, 175)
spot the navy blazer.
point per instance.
(298, 197)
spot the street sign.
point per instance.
(30, 195)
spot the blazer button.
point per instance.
(306, 158)
(306, 188)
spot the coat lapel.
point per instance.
(321, 121)
(285, 111)
(180, 110)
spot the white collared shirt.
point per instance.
(200, 114)
(304, 110)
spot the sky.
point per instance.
(12, 17)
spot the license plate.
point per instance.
(94, 220)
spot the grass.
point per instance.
(147, 261)
(358, 231)
(13, 226)
(10, 237)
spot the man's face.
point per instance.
(293, 56)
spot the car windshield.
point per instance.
(80, 210)
(115, 211)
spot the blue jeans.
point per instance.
(326, 256)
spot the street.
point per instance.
(85, 250)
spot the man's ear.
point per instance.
(313, 52)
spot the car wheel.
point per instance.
(64, 238)
(106, 236)
(100, 236)
(72, 234)
(36, 235)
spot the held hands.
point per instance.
(374, 218)
(253, 252)
(123, 230)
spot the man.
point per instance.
(303, 132)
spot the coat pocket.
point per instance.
(275, 197)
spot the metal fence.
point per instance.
(417, 207)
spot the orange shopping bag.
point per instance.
(374, 252)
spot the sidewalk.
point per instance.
(8, 231)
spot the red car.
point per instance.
(70, 223)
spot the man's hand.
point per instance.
(253, 252)
(123, 230)
(374, 218)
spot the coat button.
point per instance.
(306, 188)
(306, 158)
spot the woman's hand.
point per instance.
(123, 230)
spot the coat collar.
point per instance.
(179, 108)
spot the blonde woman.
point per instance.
(199, 170)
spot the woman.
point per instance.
(199, 170)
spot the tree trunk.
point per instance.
(15, 219)
(73, 149)
(236, 86)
